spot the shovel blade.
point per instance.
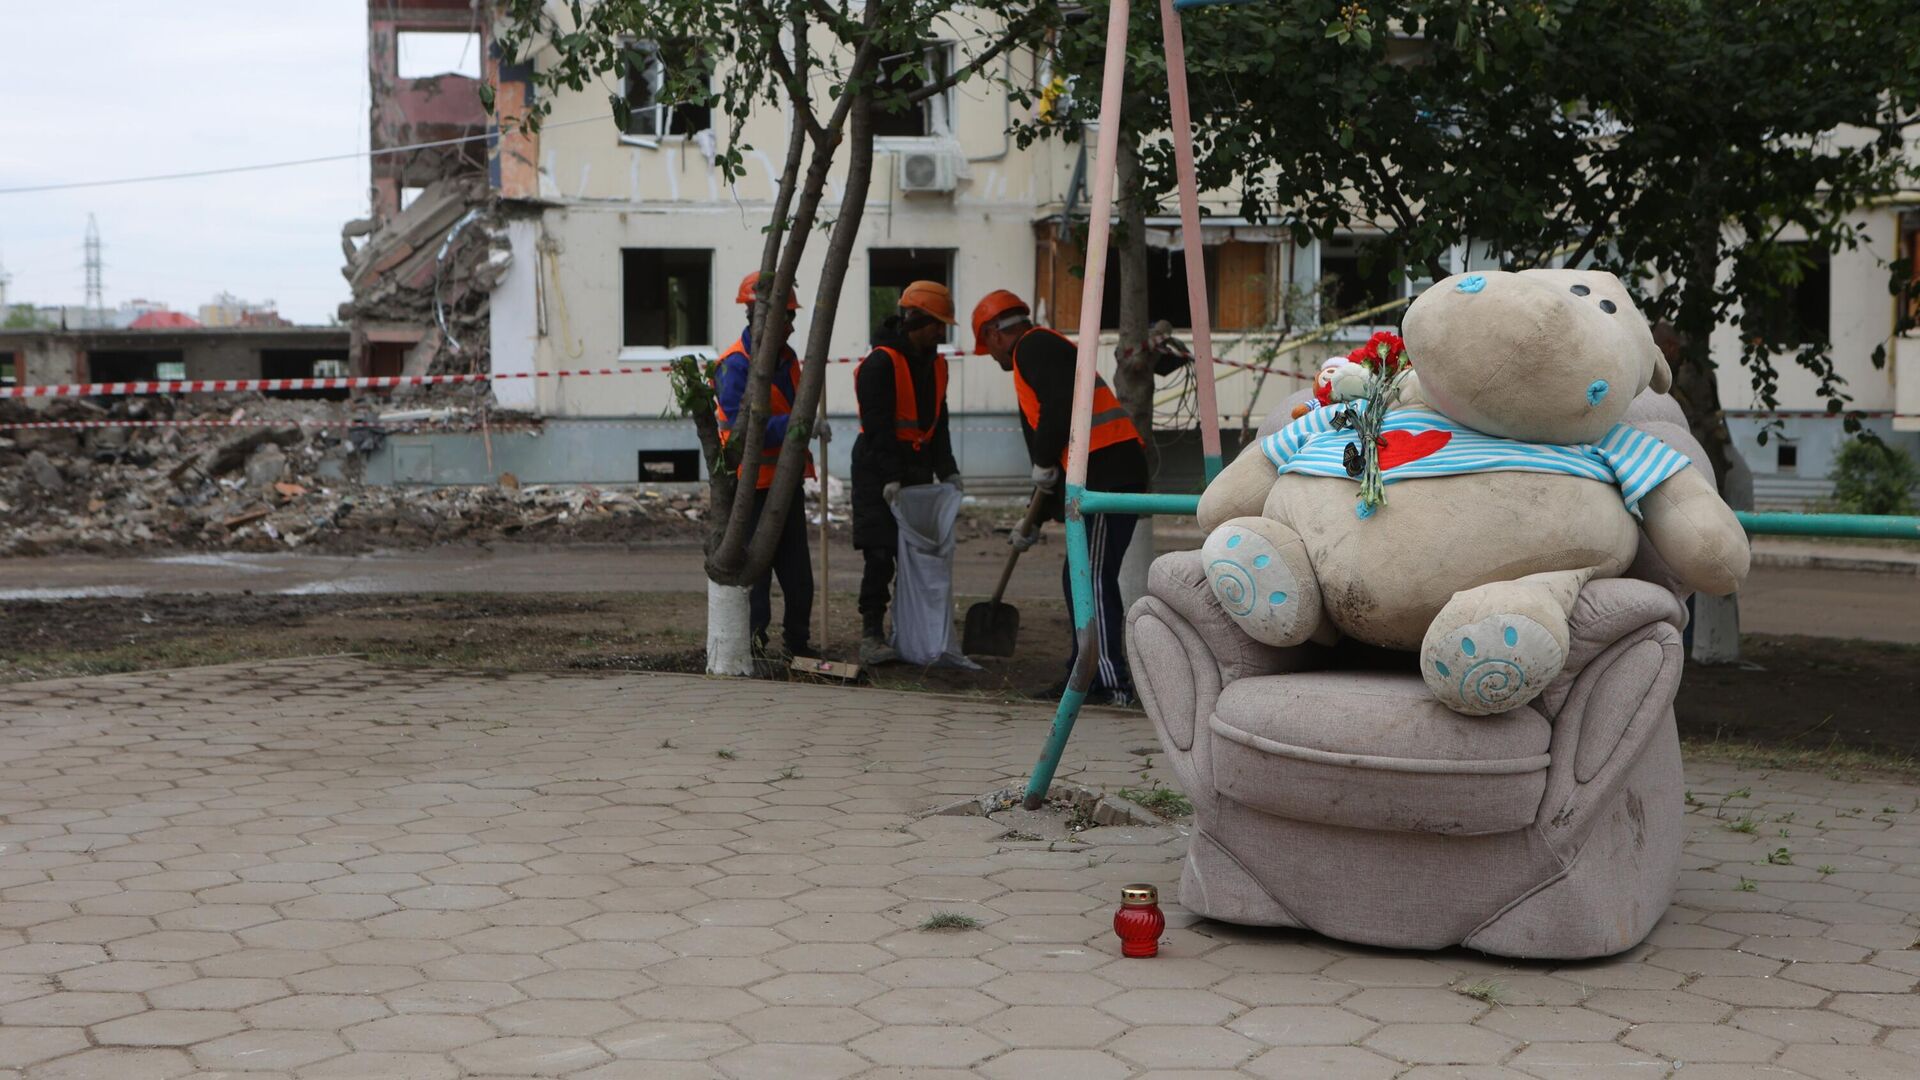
(992, 630)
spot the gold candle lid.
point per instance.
(1138, 895)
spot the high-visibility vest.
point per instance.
(779, 406)
(1112, 424)
(906, 406)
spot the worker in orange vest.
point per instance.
(902, 390)
(791, 562)
(1042, 363)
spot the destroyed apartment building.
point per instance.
(422, 264)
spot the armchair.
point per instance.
(1332, 793)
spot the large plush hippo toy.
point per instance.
(1510, 483)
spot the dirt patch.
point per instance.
(1803, 701)
(1808, 701)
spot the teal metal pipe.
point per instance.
(1127, 502)
(1080, 580)
(1860, 526)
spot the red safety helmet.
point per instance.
(749, 287)
(992, 306)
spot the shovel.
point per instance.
(993, 628)
(814, 665)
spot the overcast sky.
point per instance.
(102, 89)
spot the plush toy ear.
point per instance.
(1662, 374)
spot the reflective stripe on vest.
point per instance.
(778, 405)
(906, 406)
(1111, 423)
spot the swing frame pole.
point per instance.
(1080, 501)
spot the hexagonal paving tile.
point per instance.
(320, 869)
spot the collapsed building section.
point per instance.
(422, 265)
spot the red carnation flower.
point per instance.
(1383, 352)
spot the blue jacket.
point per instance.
(732, 383)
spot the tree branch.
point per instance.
(1016, 33)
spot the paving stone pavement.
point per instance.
(325, 869)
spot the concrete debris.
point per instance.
(296, 483)
(433, 266)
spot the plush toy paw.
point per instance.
(1492, 664)
(1259, 571)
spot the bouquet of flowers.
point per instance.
(1369, 384)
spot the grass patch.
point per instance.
(725, 754)
(1164, 801)
(950, 921)
(1744, 824)
(1747, 884)
(1838, 762)
(1487, 990)
(1826, 868)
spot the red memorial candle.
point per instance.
(1139, 922)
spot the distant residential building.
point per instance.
(163, 320)
(227, 309)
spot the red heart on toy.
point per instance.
(1399, 447)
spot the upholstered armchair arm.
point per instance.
(1614, 698)
(1184, 650)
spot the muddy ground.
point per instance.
(1803, 701)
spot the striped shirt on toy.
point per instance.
(1419, 442)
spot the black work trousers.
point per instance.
(793, 565)
(1108, 536)
(876, 590)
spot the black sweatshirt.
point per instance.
(879, 456)
(1046, 363)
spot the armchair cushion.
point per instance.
(1374, 750)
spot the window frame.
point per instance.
(665, 113)
(946, 53)
(648, 351)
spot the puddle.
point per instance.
(344, 586)
(84, 592)
(222, 562)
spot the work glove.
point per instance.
(891, 492)
(956, 482)
(1046, 478)
(1020, 541)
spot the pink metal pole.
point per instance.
(1195, 252)
(1094, 286)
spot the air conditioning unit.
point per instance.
(926, 170)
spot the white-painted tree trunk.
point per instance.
(1133, 568)
(1716, 629)
(729, 637)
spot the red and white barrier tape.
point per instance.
(340, 382)
(387, 382)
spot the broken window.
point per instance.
(428, 54)
(667, 297)
(905, 74)
(891, 270)
(1906, 273)
(650, 112)
(9, 364)
(1356, 275)
(304, 364)
(1801, 313)
(1239, 286)
(133, 365)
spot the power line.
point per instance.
(281, 164)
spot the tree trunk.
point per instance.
(1133, 371)
(813, 373)
(729, 635)
(1695, 385)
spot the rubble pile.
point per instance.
(293, 482)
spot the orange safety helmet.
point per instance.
(992, 306)
(751, 283)
(930, 297)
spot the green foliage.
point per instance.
(1871, 477)
(949, 920)
(1164, 801)
(1690, 147)
(23, 317)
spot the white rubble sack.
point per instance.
(923, 579)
